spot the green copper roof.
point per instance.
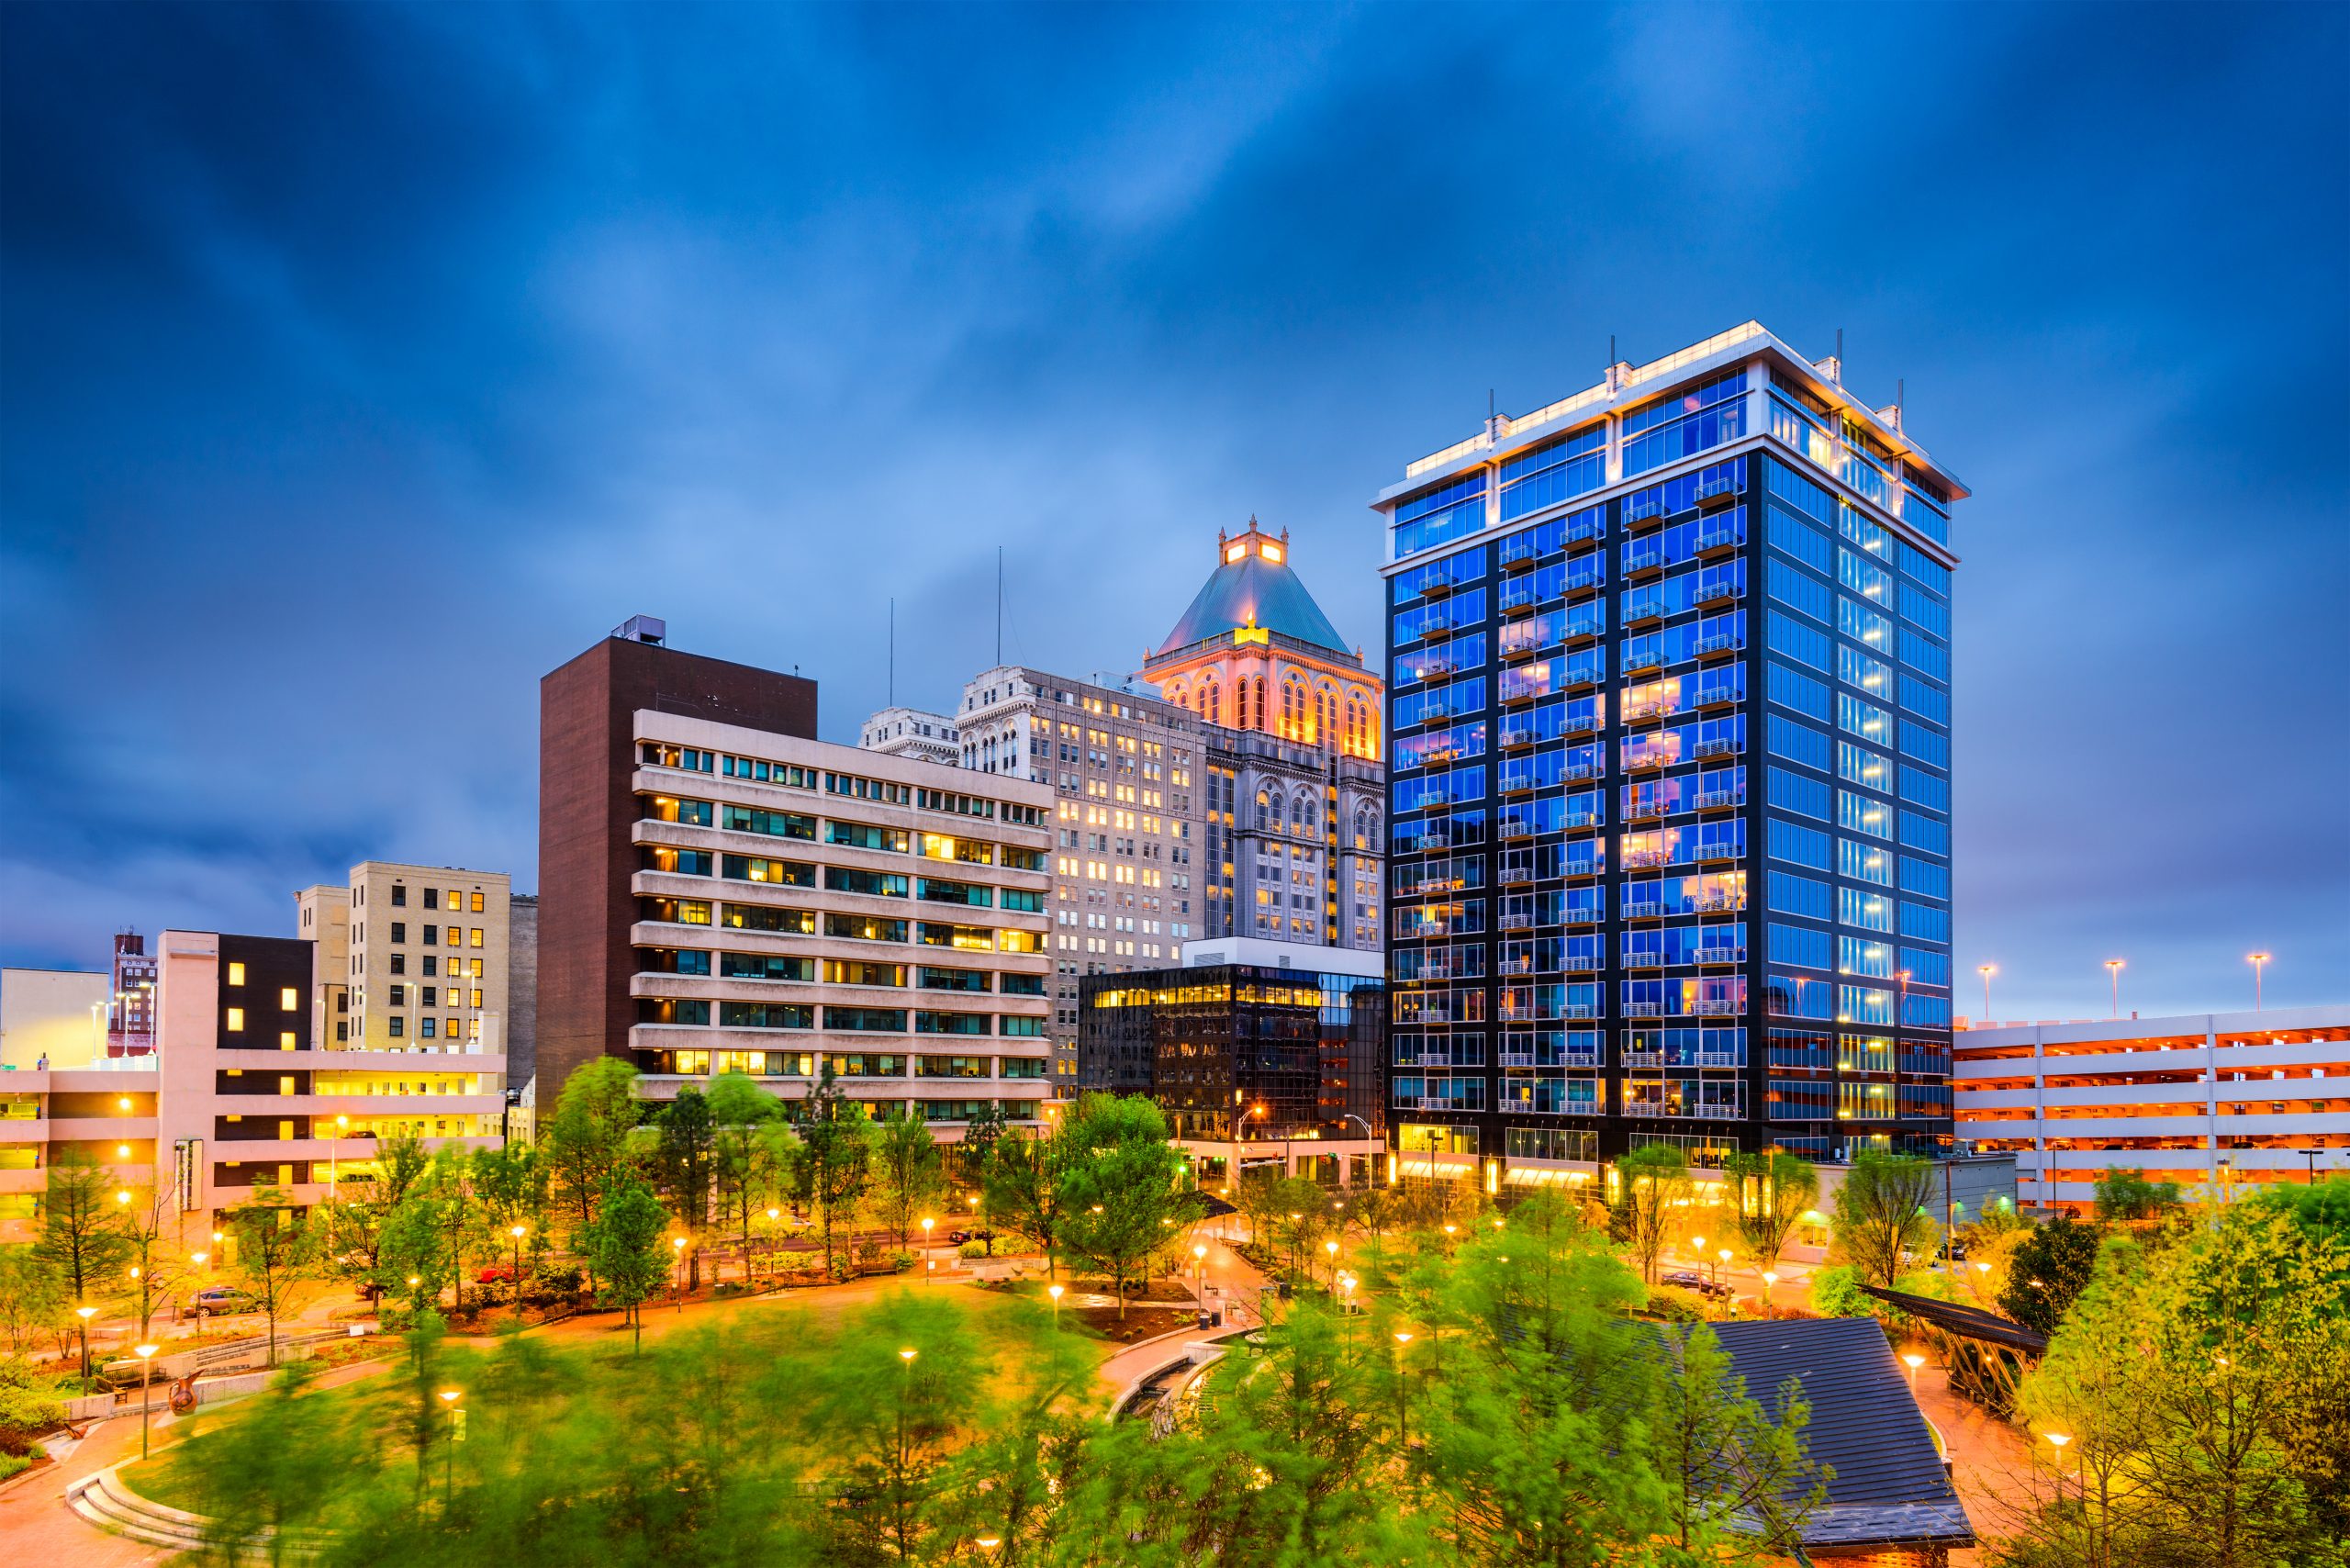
(1254, 591)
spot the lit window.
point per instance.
(236, 974)
(236, 1020)
(287, 1000)
(285, 1040)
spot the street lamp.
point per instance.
(334, 1159)
(1054, 1292)
(449, 1397)
(1200, 1276)
(929, 1263)
(518, 1232)
(2057, 1440)
(773, 1215)
(86, 1313)
(1913, 1360)
(1723, 1255)
(2258, 961)
(1769, 1279)
(2114, 967)
(677, 1249)
(146, 1354)
(1332, 1248)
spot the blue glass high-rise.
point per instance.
(1669, 783)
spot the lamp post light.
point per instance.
(1721, 1264)
(146, 1354)
(2057, 1441)
(677, 1249)
(2114, 967)
(2258, 961)
(449, 1397)
(929, 1263)
(1769, 1279)
(1332, 1248)
(1913, 1360)
(334, 1160)
(86, 1313)
(1054, 1292)
(1200, 1276)
(773, 1215)
(1986, 972)
(518, 1232)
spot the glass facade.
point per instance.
(1238, 1051)
(1669, 790)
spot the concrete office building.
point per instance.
(1119, 764)
(804, 907)
(240, 1096)
(1669, 772)
(910, 732)
(793, 908)
(2206, 1099)
(410, 953)
(587, 816)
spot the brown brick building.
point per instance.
(587, 812)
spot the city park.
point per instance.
(729, 1329)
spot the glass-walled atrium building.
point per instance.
(1669, 774)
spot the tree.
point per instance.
(832, 1167)
(461, 1221)
(907, 1178)
(685, 1165)
(586, 1138)
(2047, 1271)
(155, 1272)
(355, 1237)
(2203, 1385)
(2126, 1197)
(624, 1240)
(1881, 1219)
(1024, 1189)
(1654, 1181)
(1774, 1192)
(275, 1254)
(746, 1120)
(1734, 1474)
(512, 1184)
(81, 1237)
(1258, 1197)
(31, 1298)
(980, 1133)
(1120, 1197)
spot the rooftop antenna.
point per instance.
(893, 655)
(999, 604)
(1840, 347)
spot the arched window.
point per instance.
(1264, 811)
(1258, 721)
(1304, 816)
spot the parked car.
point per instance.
(222, 1299)
(960, 1236)
(1689, 1280)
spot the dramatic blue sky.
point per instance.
(496, 326)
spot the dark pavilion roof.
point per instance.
(1250, 590)
(1967, 1322)
(1889, 1488)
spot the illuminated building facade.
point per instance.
(1293, 792)
(1669, 773)
(2208, 1101)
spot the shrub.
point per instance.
(1670, 1304)
(972, 1249)
(24, 1415)
(17, 1463)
